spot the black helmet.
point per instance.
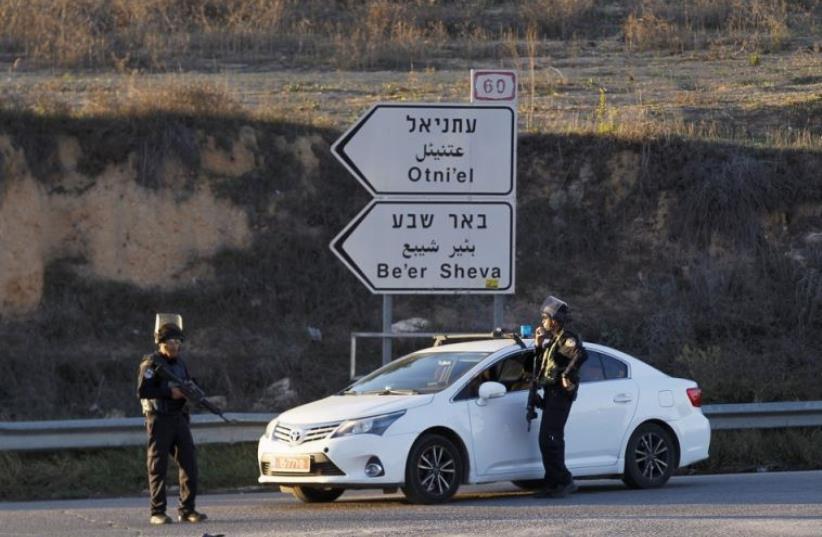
(555, 308)
(167, 323)
(169, 331)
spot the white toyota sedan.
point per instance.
(455, 413)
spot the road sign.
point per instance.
(431, 246)
(432, 149)
(493, 86)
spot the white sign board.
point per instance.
(432, 150)
(431, 246)
(493, 86)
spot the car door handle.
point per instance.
(623, 398)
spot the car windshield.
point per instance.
(421, 372)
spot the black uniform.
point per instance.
(167, 425)
(562, 354)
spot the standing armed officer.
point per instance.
(167, 422)
(562, 354)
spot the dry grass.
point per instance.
(200, 99)
(559, 18)
(166, 35)
(748, 24)
(170, 34)
(773, 104)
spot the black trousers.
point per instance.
(170, 435)
(556, 407)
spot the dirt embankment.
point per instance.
(125, 232)
(701, 258)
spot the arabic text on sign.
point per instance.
(428, 150)
(417, 250)
(465, 248)
(410, 251)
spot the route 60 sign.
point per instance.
(494, 86)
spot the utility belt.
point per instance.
(555, 384)
(556, 380)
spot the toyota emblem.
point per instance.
(296, 435)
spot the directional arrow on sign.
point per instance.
(432, 149)
(431, 246)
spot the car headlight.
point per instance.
(269, 429)
(372, 425)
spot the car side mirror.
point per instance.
(490, 390)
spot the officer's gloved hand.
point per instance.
(539, 337)
(567, 384)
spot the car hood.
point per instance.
(346, 407)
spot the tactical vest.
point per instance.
(165, 405)
(551, 366)
(560, 355)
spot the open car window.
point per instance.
(514, 372)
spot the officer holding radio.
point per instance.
(561, 354)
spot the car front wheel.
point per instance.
(649, 457)
(433, 471)
(316, 495)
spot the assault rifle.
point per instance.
(193, 393)
(533, 396)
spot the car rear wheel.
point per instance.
(433, 471)
(316, 495)
(649, 457)
(530, 484)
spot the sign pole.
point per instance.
(493, 87)
(499, 306)
(387, 306)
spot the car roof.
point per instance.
(489, 345)
(494, 345)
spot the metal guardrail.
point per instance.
(764, 415)
(208, 429)
(122, 432)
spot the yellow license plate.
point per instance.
(291, 463)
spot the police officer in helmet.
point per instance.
(561, 354)
(167, 422)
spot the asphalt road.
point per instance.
(750, 505)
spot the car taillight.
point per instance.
(695, 395)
